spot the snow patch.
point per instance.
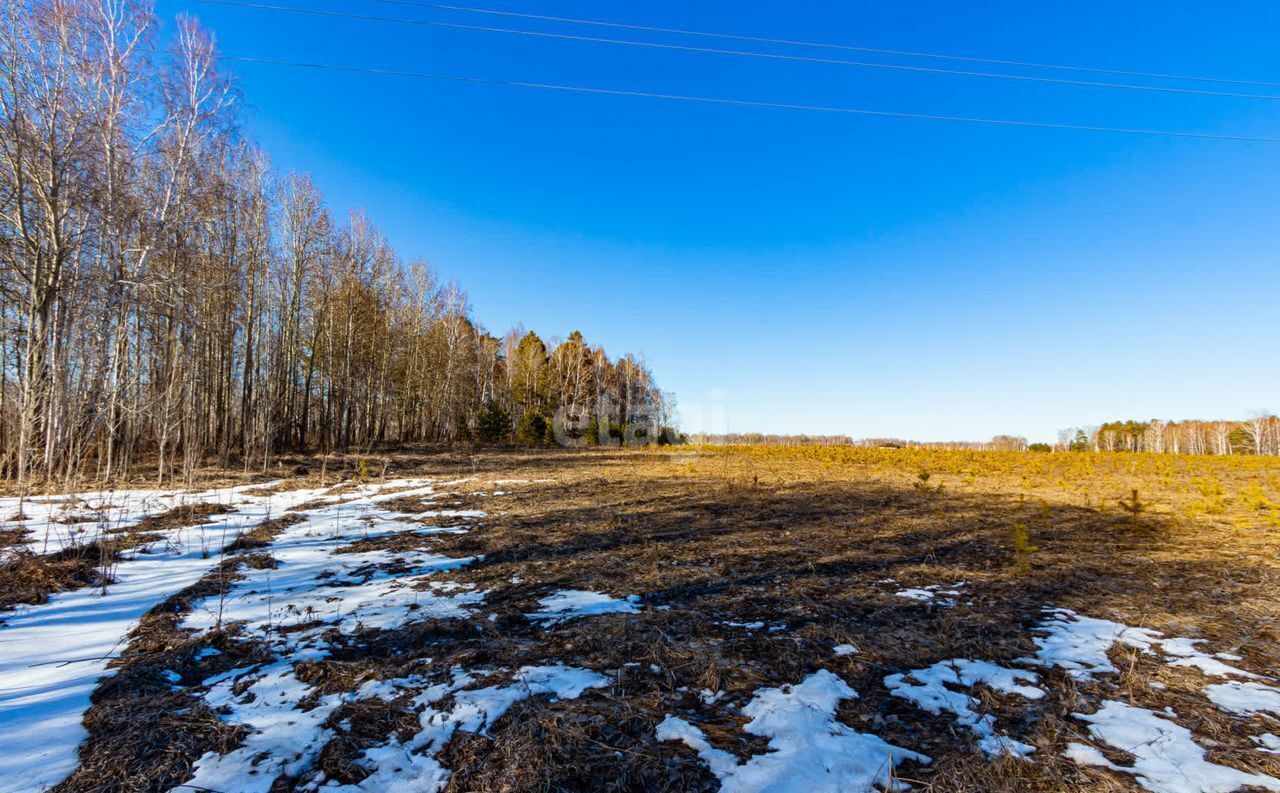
(317, 585)
(1080, 644)
(283, 740)
(810, 751)
(941, 594)
(1212, 667)
(927, 688)
(53, 655)
(570, 603)
(55, 523)
(1245, 698)
(1166, 760)
(751, 626)
(412, 765)
(710, 697)
(1268, 743)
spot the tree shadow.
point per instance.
(740, 587)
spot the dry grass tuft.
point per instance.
(29, 577)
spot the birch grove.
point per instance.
(168, 301)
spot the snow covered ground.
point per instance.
(569, 603)
(353, 565)
(934, 690)
(52, 655)
(318, 584)
(1167, 758)
(54, 523)
(329, 575)
(809, 750)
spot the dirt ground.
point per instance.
(750, 565)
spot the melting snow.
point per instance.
(1186, 654)
(315, 586)
(942, 594)
(927, 688)
(1079, 645)
(569, 603)
(710, 697)
(52, 655)
(411, 765)
(810, 751)
(283, 739)
(751, 626)
(318, 585)
(1245, 698)
(1166, 760)
(46, 518)
(1211, 666)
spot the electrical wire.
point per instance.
(737, 53)
(750, 102)
(828, 45)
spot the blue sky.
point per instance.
(791, 271)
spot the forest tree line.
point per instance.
(165, 296)
(1260, 434)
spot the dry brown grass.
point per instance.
(802, 541)
(29, 577)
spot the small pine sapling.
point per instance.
(1134, 506)
(1022, 548)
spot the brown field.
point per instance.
(801, 539)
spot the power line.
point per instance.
(828, 45)
(738, 53)
(748, 102)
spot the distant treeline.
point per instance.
(761, 439)
(164, 295)
(1257, 435)
(998, 443)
